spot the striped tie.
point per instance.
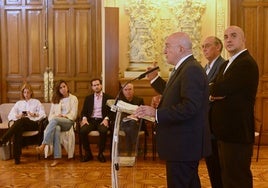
(172, 73)
(207, 68)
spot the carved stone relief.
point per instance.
(142, 34)
(149, 26)
(221, 22)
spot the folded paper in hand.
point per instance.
(127, 108)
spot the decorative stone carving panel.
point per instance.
(149, 25)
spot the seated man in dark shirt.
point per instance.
(130, 124)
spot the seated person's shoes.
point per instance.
(55, 163)
(101, 158)
(87, 158)
(17, 161)
(1, 142)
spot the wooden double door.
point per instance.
(251, 15)
(63, 36)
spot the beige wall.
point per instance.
(214, 20)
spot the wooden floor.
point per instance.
(147, 173)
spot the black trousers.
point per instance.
(94, 125)
(131, 129)
(19, 126)
(182, 174)
(213, 166)
(235, 161)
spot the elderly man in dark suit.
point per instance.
(212, 48)
(182, 131)
(232, 112)
(95, 116)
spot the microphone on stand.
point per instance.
(147, 72)
(137, 78)
(115, 161)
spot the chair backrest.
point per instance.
(47, 107)
(5, 108)
(258, 126)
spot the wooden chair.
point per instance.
(32, 137)
(142, 134)
(29, 137)
(154, 103)
(258, 134)
(153, 141)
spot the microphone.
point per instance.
(147, 72)
(137, 78)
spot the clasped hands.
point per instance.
(27, 114)
(213, 98)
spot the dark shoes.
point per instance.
(17, 161)
(1, 142)
(87, 158)
(101, 158)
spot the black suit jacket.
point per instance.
(232, 118)
(215, 69)
(89, 104)
(211, 76)
(182, 133)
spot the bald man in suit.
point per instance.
(233, 95)
(182, 131)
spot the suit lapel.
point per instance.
(173, 78)
(235, 61)
(213, 70)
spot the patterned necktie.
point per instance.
(171, 74)
(207, 68)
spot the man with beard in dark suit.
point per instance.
(182, 130)
(95, 116)
(212, 48)
(233, 94)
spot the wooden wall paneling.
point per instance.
(35, 27)
(264, 41)
(236, 12)
(111, 51)
(74, 43)
(62, 35)
(251, 15)
(252, 34)
(1, 80)
(13, 51)
(265, 120)
(22, 28)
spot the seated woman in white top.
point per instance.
(25, 113)
(62, 117)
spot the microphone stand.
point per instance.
(115, 159)
(137, 78)
(114, 108)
